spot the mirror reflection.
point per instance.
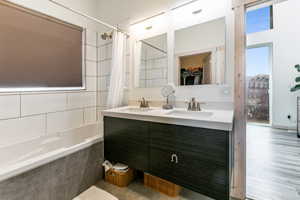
(153, 62)
(200, 54)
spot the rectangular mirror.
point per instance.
(200, 54)
(153, 63)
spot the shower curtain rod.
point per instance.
(154, 47)
(89, 17)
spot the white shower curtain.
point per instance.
(118, 71)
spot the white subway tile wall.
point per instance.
(9, 107)
(64, 121)
(91, 53)
(81, 100)
(18, 130)
(91, 68)
(91, 38)
(90, 115)
(42, 103)
(91, 83)
(27, 116)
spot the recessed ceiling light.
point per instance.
(148, 27)
(197, 12)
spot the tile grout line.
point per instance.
(98, 75)
(20, 106)
(83, 117)
(46, 92)
(97, 71)
(44, 113)
(46, 124)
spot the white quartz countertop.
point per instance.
(211, 119)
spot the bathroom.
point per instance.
(158, 86)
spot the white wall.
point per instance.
(26, 116)
(286, 48)
(125, 12)
(211, 9)
(200, 37)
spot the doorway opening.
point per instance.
(272, 148)
(258, 81)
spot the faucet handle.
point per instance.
(147, 104)
(198, 105)
(189, 104)
(198, 108)
(144, 103)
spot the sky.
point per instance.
(257, 59)
(258, 20)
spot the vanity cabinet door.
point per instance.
(126, 141)
(200, 159)
(161, 163)
(210, 144)
(201, 175)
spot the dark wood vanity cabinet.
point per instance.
(194, 158)
(126, 141)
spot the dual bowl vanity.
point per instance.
(192, 149)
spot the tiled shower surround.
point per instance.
(62, 179)
(31, 115)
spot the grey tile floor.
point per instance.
(273, 170)
(137, 191)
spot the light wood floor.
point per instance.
(273, 164)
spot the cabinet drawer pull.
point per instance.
(174, 157)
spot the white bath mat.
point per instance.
(94, 193)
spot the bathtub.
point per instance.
(19, 158)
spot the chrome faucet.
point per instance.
(144, 103)
(194, 105)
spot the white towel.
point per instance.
(94, 193)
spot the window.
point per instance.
(258, 81)
(38, 52)
(260, 19)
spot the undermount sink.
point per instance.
(137, 109)
(196, 114)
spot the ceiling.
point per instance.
(124, 12)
